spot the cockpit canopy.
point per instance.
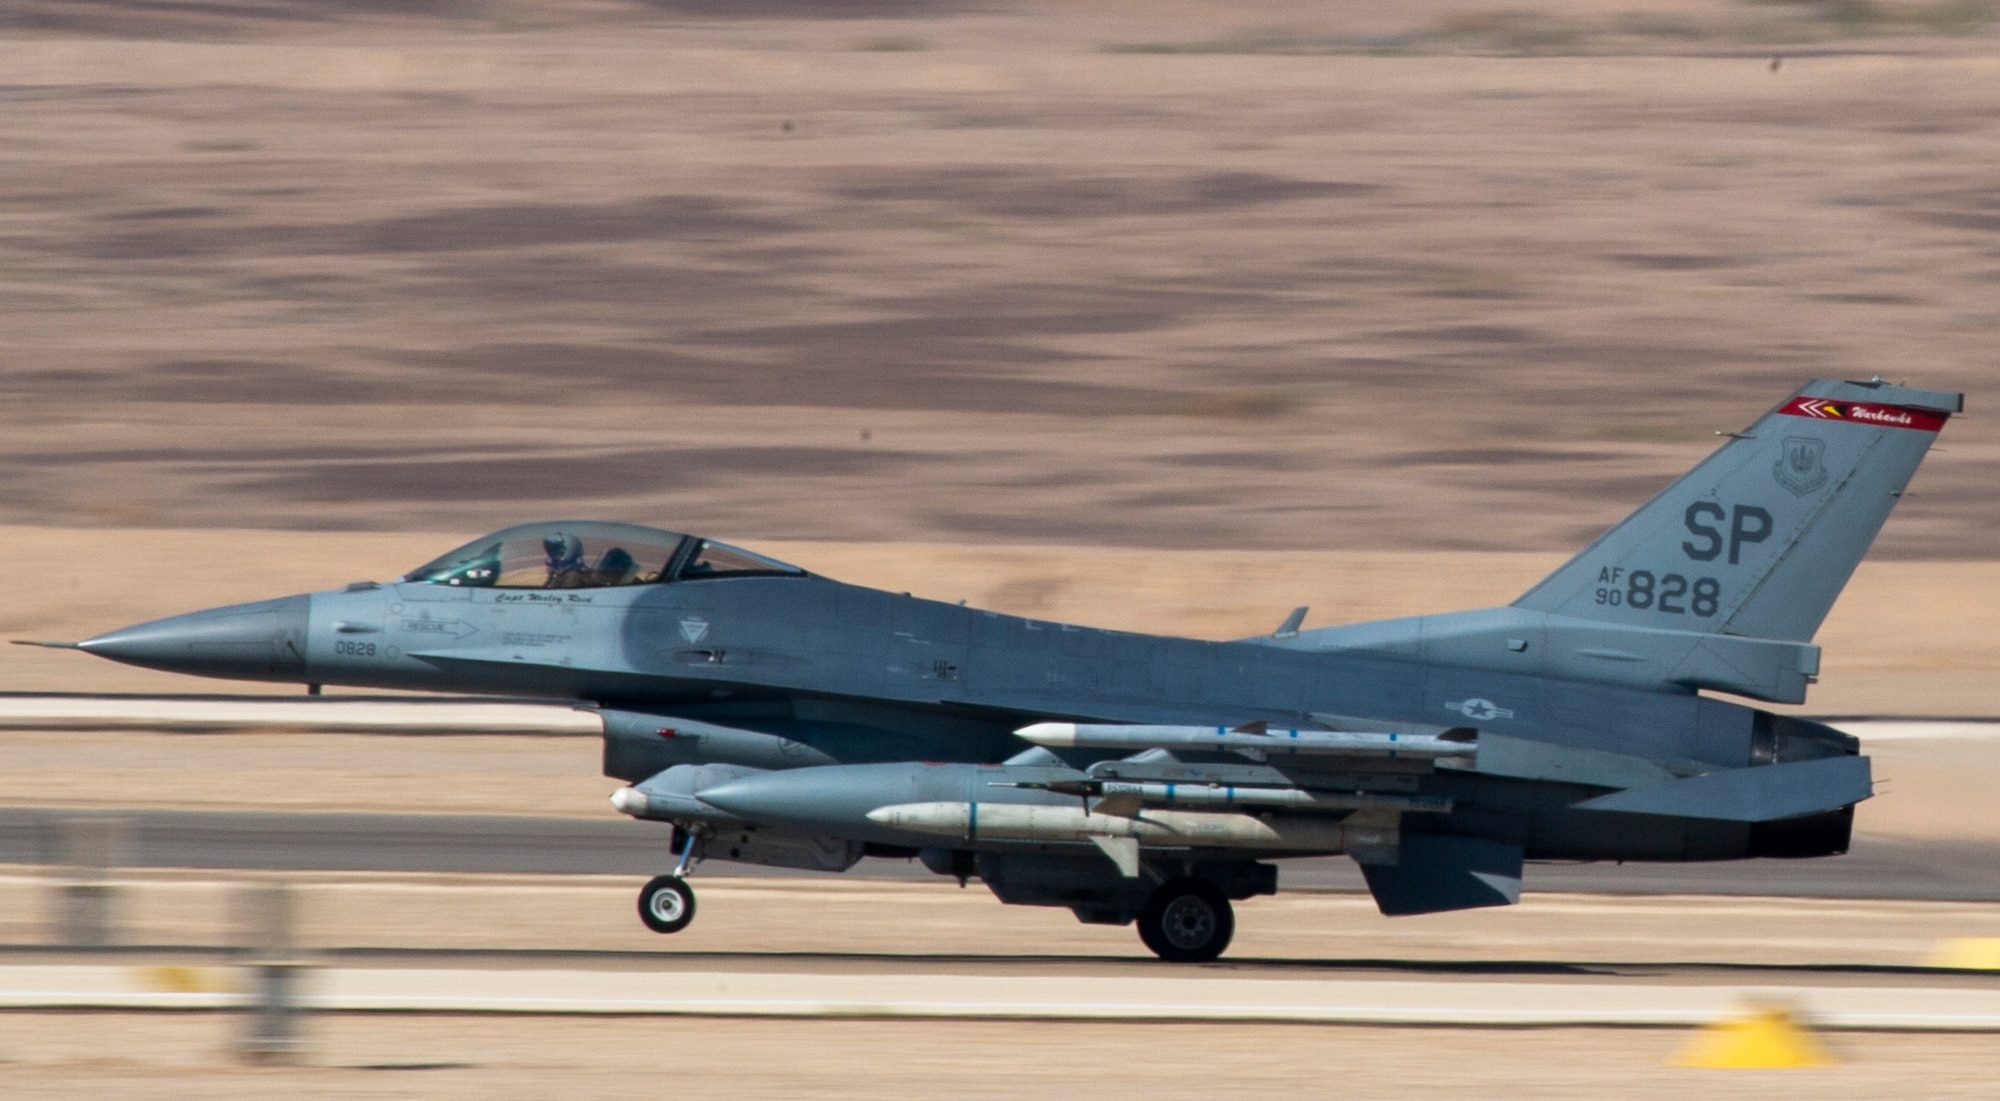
(590, 554)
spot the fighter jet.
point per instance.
(772, 716)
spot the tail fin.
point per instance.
(1761, 537)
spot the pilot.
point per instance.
(565, 561)
(615, 567)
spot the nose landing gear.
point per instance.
(666, 903)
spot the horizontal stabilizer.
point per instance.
(1763, 793)
(1435, 874)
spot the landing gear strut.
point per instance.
(1187, 921)
(666, 903)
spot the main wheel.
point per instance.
(1187, 921)
(666, 904)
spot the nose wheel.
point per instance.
(666, 904)
(1187, 921)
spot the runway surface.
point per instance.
(357, 714)
(1164, 995)
(1944, 870)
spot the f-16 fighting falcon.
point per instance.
(772, 716)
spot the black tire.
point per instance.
(666, 904)
(1187, 921)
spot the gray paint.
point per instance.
(1446, 873)
(1785, 790)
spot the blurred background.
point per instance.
(1267, 274)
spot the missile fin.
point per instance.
(1290, 627)
(1119, 805)
(1123, 851)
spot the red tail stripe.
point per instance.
(1865, 412)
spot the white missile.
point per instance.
(1260, 743)
(1178, 829)
(1122, 797)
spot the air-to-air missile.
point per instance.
(1256, 741)
(1117, 797)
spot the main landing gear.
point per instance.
(1187, 921)
(666, 903)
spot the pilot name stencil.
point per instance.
(544, 598)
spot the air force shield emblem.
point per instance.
(1801, 467)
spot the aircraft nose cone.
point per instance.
(261, 641)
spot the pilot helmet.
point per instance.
(562, 547)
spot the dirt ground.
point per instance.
(796, 925)
(1267, 275)
(499, 1059)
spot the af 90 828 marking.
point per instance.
(1672, 594)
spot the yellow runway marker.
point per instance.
(1967, 954)
(1765, 1038)
(185, 980)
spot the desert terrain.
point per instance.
(1265, 275)
(185, 1056)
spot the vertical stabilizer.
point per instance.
(1760, 538)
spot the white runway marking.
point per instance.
(1197, 996)
(1896, 730)
(441, 716)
